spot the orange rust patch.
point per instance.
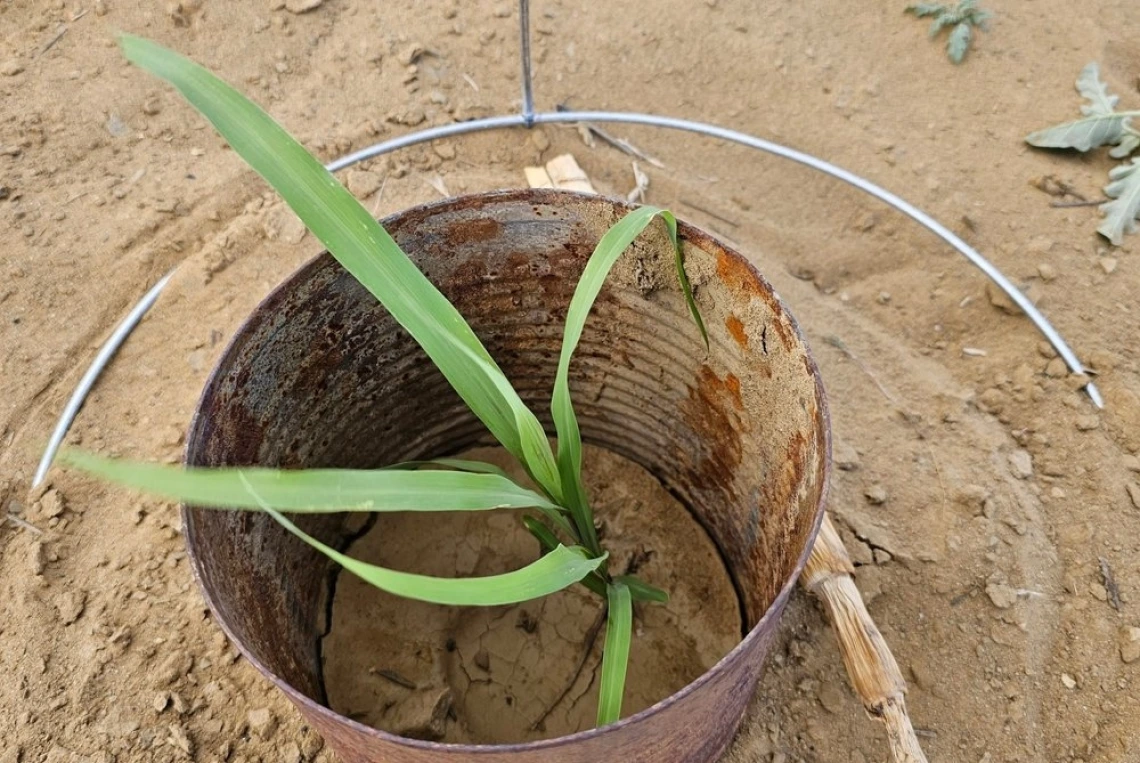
(732, 386)
(736, 328)
(709, 414)
(784, 331)
(737, 275)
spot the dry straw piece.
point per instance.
(870, 664)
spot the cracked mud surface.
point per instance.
(529, 671)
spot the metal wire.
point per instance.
(524, 51)
(528, 118)
(723, 133)
(106, 352)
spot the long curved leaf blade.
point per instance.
(357, 241)
(642, 591)
(458, 464)
(559, 569)
(315, 490)
(611, 246)
(1122, 212)
(615, 653)
(548, 542)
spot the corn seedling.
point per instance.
(960, 19)
(1103, 125)
(563, 522)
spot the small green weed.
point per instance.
(1102, 125)
(961, 19)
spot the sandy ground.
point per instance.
(982, 494)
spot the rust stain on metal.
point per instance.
(785, 332)
(737, 274)
(736, 328)
(477, 229)
(709, 411)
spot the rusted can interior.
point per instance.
(321, 376)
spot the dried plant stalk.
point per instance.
(870, 664)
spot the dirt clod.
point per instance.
(262, 722)
(70, 605)
(876, 494)
(1001, 595)
(1130, 644)
(1021, 464)
(303, 6)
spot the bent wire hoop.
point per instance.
(529, 118)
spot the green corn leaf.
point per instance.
(458, 464)
(615, 241)
(364, 248)
(315, 490)
(548, 542)
(560, 568)
(554, 513)
(642, 591)
(615, 653)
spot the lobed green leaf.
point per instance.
(959, 41)
(1102, 125)
(1122, 212)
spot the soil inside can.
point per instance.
(529, 671)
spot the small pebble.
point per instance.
(1068, 681)
(262, 722)
(1056, 369)
(37, 556)
(1130, 644)
(70, 605)
(876, 495)
(1087, 423)
(363, 183)
(1133, 494)
(1021, 464)
(302, 6)
(161, 700)
(831, 697)
(1001, 595)
(845, 456)
(1046, 271)
(1108, 264)
(11, 68)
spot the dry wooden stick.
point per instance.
(870, 664)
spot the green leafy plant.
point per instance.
(564, 521)
(961, 19)
(1102, 125)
